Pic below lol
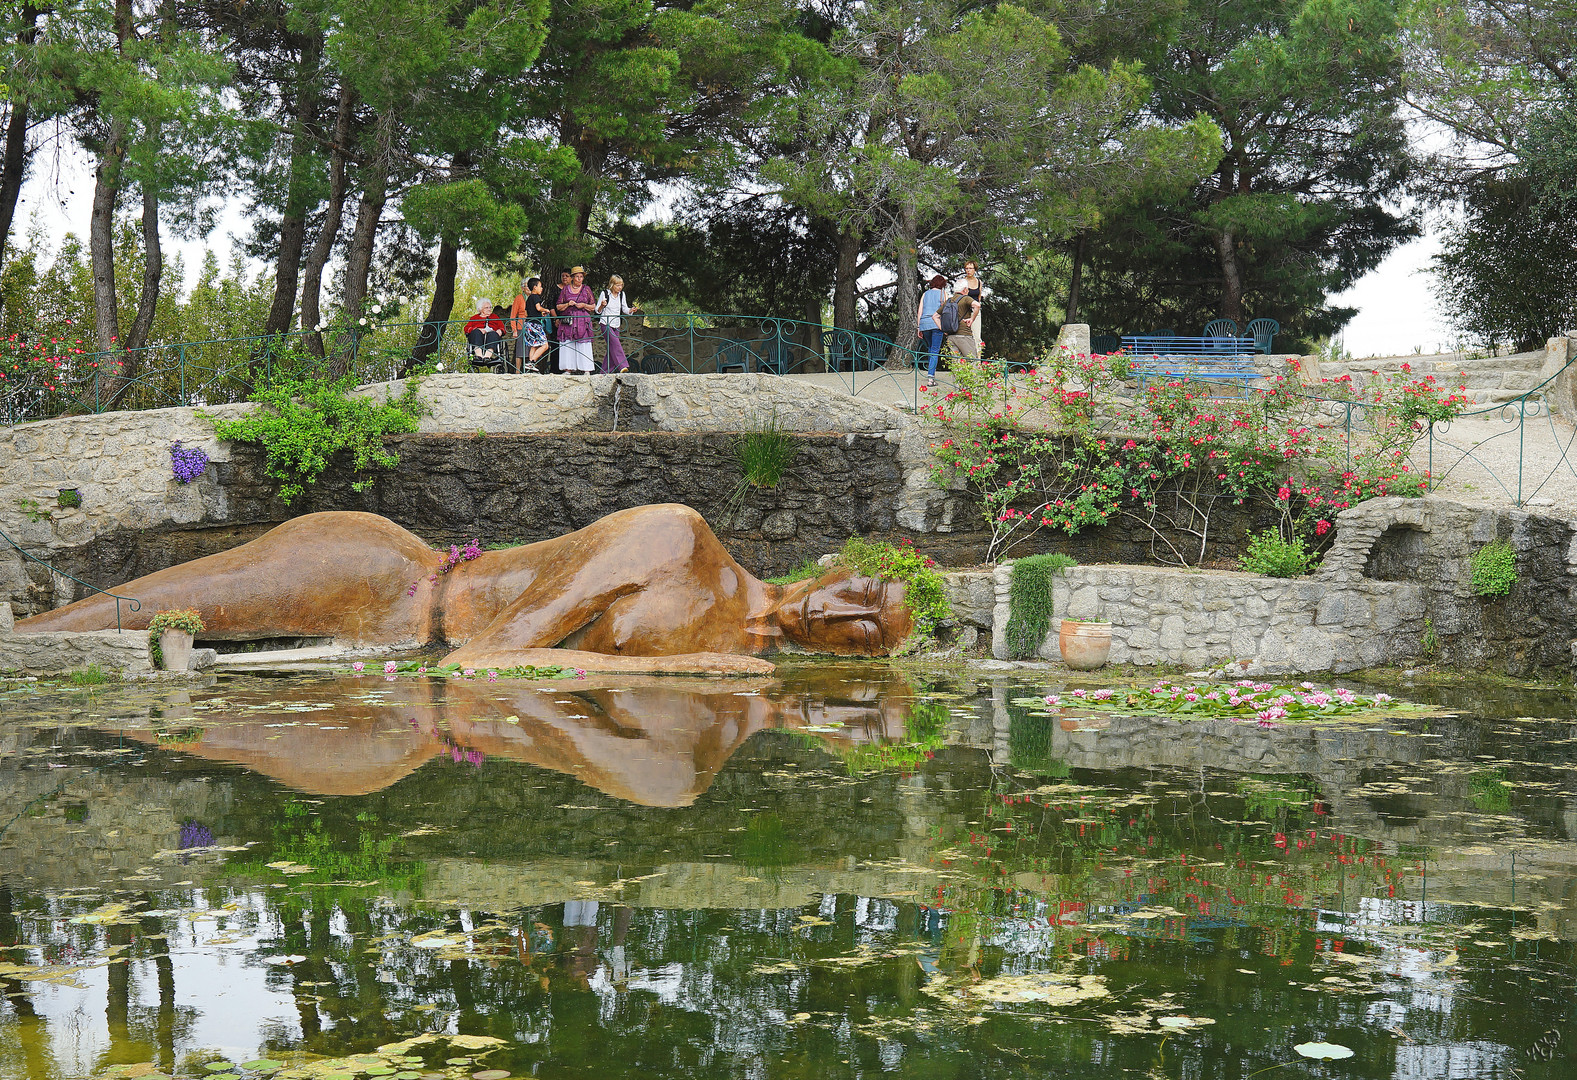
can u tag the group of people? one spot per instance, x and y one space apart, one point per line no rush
551 334
952 317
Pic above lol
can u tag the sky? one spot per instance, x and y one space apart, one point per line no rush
1396 313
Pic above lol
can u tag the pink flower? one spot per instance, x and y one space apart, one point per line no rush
390 668
468 672
580 673
358 666
492 676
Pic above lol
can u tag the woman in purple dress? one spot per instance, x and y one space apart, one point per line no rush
576 305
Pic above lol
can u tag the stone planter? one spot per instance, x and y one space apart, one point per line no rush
1085 645
176 646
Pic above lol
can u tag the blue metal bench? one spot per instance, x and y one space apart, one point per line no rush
1173 345
1235 371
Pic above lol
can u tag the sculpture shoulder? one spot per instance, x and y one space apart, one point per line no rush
662 535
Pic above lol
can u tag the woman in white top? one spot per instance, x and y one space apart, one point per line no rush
971 286
612 306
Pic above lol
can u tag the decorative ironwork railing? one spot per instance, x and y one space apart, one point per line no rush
230 369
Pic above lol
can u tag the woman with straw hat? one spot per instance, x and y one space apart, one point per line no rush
576 306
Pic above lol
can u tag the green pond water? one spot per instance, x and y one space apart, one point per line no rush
845 871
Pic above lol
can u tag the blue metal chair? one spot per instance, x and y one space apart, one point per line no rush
1221 328
1264 332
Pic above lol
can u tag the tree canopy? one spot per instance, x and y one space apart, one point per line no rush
1135 166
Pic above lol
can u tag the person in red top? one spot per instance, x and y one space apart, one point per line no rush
485 336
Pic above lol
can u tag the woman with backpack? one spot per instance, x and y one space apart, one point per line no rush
928 323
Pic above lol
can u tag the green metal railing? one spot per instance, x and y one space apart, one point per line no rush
1532 475
131 603
225 370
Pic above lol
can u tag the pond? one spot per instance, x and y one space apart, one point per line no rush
843 871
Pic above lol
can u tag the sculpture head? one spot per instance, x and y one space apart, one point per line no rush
845 614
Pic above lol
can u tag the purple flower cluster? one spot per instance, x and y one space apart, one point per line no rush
456 556
187 462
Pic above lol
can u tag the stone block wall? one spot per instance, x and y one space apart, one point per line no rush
1399 571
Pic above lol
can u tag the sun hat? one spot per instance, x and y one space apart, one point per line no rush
576 270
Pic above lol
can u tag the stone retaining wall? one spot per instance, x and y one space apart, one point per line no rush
1400 572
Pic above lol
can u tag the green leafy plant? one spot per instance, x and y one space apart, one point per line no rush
924 591
68 499
1431 642
765 453
302 424
1269 554
803 572
32 510
92 675
1494 569
1029 601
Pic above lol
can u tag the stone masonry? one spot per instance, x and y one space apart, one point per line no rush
1400 570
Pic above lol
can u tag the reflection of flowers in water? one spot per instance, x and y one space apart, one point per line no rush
457 753
194 835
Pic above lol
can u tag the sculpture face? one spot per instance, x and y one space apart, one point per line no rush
846 615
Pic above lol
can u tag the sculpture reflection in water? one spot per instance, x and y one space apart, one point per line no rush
649 582
650 740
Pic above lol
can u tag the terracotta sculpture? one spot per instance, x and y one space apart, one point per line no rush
655 741
652 581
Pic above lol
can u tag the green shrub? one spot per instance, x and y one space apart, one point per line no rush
92 675
765 453
1272 556
803 572
303 423
1029 601
924 592
1494 569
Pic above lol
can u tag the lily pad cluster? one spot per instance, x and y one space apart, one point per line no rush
393 1061
393 669
1242 700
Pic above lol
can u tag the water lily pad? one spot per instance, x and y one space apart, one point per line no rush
407 1076
491 1074
1180 1022
263 1065
379 1070
219 1066
457 1061
1323 1051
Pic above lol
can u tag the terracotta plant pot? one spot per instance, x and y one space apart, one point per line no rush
1085 645
176 645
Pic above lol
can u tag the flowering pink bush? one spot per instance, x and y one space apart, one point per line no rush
1059 447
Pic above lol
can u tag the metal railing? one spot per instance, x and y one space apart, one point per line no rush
225 370
1536 466
131 603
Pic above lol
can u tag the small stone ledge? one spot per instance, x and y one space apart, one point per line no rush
115 652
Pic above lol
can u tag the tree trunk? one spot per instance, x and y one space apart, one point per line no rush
13 162
906 249
152 273
323 246
364 236
440 310
1074 280
1231 277
442 307
101 237
293 220
845 280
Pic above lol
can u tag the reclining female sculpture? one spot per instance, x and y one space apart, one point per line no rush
652 581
